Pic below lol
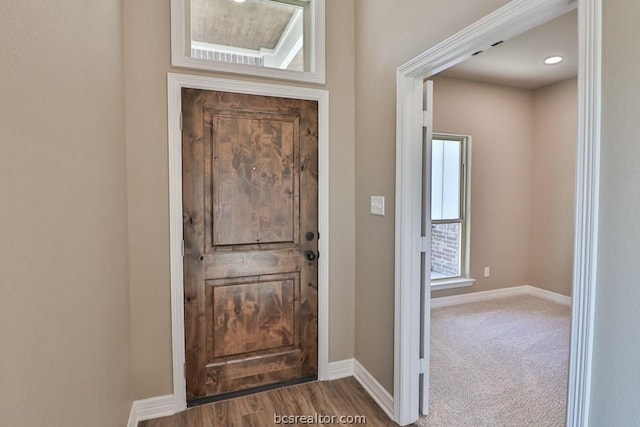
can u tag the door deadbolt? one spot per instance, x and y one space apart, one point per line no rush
310 255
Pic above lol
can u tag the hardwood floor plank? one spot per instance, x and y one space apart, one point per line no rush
344 397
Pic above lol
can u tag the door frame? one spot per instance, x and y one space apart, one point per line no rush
175 83
512 19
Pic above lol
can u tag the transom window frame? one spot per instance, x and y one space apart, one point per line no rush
181 44
464 279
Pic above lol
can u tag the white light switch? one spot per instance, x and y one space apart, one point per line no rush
487 271
377 205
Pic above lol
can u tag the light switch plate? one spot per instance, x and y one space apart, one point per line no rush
377 205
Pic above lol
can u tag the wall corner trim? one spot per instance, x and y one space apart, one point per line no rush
374 388
154 407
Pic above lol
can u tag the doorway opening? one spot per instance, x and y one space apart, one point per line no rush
523 118
512 19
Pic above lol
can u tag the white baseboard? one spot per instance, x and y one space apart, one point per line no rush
341 369
373 387
500 293
162 406
155 407
478 296
548 295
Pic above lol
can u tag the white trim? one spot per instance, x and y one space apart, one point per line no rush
512 19
458 282
500 293
549 295
374 388
587 214
407 258
288 45
341 369
179 45
175 82
478 296
147 409
226 49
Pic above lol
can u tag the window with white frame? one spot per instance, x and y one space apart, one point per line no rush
450 203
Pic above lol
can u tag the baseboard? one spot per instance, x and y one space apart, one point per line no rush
163 406
373 387
500 293
548 295
341 369
155 407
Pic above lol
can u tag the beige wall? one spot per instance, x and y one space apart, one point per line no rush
522 184
64 317
555 134
147 61
616 365
499 119
387 35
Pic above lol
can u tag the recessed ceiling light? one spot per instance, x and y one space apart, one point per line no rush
239 1
553 60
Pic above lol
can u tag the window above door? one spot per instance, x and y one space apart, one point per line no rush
281 39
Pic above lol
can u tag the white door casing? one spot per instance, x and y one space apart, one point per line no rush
506 22
175 82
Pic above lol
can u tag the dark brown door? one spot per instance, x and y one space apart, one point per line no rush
250 218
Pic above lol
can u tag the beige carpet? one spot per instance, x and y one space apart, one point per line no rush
499 363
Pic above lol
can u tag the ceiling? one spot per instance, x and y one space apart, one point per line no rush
253 24
518 62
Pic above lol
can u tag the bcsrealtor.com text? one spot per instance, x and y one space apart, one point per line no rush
319 419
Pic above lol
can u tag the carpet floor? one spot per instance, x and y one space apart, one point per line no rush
502 362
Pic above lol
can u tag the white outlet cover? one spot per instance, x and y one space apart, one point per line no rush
377 205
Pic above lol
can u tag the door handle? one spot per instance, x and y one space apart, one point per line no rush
310 255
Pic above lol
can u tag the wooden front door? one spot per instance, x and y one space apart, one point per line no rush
250 218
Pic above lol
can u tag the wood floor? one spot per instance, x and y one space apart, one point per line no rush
344 397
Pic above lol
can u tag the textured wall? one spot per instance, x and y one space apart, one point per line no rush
64 303
616 365
147 61
523 179
387 35
499 119
555 134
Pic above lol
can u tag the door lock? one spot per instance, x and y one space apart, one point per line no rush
310 255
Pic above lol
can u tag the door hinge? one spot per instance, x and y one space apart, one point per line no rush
427 119
184 370
423 245
182 248
181 120
423 366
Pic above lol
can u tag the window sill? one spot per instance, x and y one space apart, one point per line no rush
456 282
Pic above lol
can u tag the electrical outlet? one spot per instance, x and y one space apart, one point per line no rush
377 205
487 271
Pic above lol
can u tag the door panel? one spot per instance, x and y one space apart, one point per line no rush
255 189
250 227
